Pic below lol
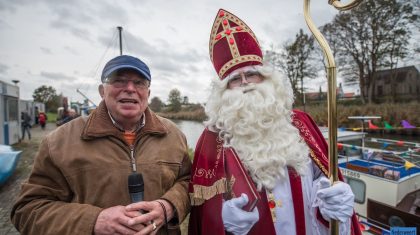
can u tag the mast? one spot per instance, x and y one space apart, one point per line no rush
78 91
120 28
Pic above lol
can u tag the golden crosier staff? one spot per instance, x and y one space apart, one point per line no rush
332 95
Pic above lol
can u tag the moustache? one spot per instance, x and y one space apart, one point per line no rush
248 88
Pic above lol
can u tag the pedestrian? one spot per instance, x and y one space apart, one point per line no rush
42 118
36 114
282 162
25 124
87 176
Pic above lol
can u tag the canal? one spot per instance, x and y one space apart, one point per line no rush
193 130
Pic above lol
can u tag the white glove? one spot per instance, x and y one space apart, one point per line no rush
236 220
335 202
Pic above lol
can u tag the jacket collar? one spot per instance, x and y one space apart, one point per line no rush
99 124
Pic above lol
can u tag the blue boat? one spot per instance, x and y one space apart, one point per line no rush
385 183
8 162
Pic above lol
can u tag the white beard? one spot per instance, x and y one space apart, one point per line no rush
256 121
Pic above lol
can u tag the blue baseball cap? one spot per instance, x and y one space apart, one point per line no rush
125 62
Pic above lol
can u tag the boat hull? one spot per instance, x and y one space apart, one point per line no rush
8 163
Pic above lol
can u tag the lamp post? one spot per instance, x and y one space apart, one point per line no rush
15 82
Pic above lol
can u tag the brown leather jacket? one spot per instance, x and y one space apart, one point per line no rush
83 166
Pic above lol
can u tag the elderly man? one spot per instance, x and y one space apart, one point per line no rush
281 151
80 178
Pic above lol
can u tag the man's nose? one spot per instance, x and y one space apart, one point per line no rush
244 80
130 85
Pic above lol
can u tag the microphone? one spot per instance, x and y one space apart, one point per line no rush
136 187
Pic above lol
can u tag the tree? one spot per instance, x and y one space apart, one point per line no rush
48 96
296 61
274 57
156 104
174 100
44 94
334 46
320 94
371 37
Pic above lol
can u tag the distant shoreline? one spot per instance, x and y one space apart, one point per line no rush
195 115
392 113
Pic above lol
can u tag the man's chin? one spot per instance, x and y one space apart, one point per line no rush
129 114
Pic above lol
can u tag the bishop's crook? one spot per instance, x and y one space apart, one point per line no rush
332 99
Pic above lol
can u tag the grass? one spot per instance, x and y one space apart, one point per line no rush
192 112
51 117
194 115
392 113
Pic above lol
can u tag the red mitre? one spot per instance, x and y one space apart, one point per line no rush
232 44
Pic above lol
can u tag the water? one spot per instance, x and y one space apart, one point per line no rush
191 129
409 138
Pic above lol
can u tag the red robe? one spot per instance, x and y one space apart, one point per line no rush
208 183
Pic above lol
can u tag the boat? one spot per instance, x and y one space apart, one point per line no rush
8 162
386 187
344 135
386 184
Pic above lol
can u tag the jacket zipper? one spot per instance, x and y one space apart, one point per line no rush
133 161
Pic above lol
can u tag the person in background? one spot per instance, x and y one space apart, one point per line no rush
42 119
68 115
281 150
79 181
36 115
25 124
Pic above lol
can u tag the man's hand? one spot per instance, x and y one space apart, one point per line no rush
236 220
153 218
115 220
336 202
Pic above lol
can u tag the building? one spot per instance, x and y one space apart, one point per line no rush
400 84
320 95
9 113
10 108
29 106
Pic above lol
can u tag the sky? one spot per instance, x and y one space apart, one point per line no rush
65 44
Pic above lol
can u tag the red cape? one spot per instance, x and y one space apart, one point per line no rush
208 181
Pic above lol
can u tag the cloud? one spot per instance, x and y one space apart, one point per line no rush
163 57
4 25
77 37
166 66
10 6
193 68
71 50
67 26
74 17
111 12
141 47
57 76
46 50
3 68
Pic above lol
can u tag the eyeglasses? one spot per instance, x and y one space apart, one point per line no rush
121 82
250 76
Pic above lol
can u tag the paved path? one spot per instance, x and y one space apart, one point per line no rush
10 190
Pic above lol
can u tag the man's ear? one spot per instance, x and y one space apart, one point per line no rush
101 90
